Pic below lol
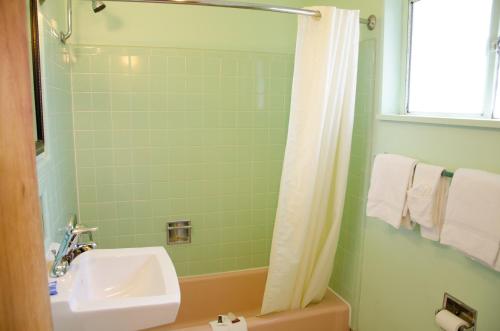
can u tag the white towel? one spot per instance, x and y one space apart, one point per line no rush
391 177
427 198
227 325
472 221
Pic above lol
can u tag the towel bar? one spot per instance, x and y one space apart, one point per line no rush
445 173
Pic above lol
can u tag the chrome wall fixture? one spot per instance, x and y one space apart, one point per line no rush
179 232
461 310
70 247
63 36
97 6
233 4
371 22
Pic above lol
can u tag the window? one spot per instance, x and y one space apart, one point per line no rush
452 61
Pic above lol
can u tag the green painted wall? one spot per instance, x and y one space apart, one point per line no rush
407 275
402 273
186 27
56 166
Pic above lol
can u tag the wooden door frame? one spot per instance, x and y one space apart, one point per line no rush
24 300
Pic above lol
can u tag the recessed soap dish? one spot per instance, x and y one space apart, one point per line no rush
178 232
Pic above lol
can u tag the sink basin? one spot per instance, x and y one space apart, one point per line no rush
117 289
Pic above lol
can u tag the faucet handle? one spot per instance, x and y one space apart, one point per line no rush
81 229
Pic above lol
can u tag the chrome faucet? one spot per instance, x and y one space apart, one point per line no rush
70 246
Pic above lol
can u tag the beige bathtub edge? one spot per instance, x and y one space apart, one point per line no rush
344 301
205 296
265 268
229 272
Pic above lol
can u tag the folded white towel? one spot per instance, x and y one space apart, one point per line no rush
391 177
427 198
228 325
472 221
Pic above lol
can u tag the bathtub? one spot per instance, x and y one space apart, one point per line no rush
205 297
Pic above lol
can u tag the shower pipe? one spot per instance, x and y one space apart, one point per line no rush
63 36
370 22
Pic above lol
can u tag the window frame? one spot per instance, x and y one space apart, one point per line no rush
493 75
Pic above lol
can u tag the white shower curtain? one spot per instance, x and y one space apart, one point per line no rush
314 178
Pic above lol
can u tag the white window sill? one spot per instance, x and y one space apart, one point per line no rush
468 122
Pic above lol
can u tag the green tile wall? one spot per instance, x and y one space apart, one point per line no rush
56 166
164 134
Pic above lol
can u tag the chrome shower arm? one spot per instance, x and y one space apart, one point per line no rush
69 17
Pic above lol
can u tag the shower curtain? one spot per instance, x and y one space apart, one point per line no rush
315 169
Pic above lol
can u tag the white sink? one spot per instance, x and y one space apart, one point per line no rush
117 289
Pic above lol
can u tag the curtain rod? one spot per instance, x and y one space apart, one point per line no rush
370 22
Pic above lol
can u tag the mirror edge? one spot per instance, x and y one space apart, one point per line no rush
37 77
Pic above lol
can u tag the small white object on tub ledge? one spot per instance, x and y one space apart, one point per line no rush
227 324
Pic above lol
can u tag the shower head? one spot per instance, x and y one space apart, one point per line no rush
97 6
